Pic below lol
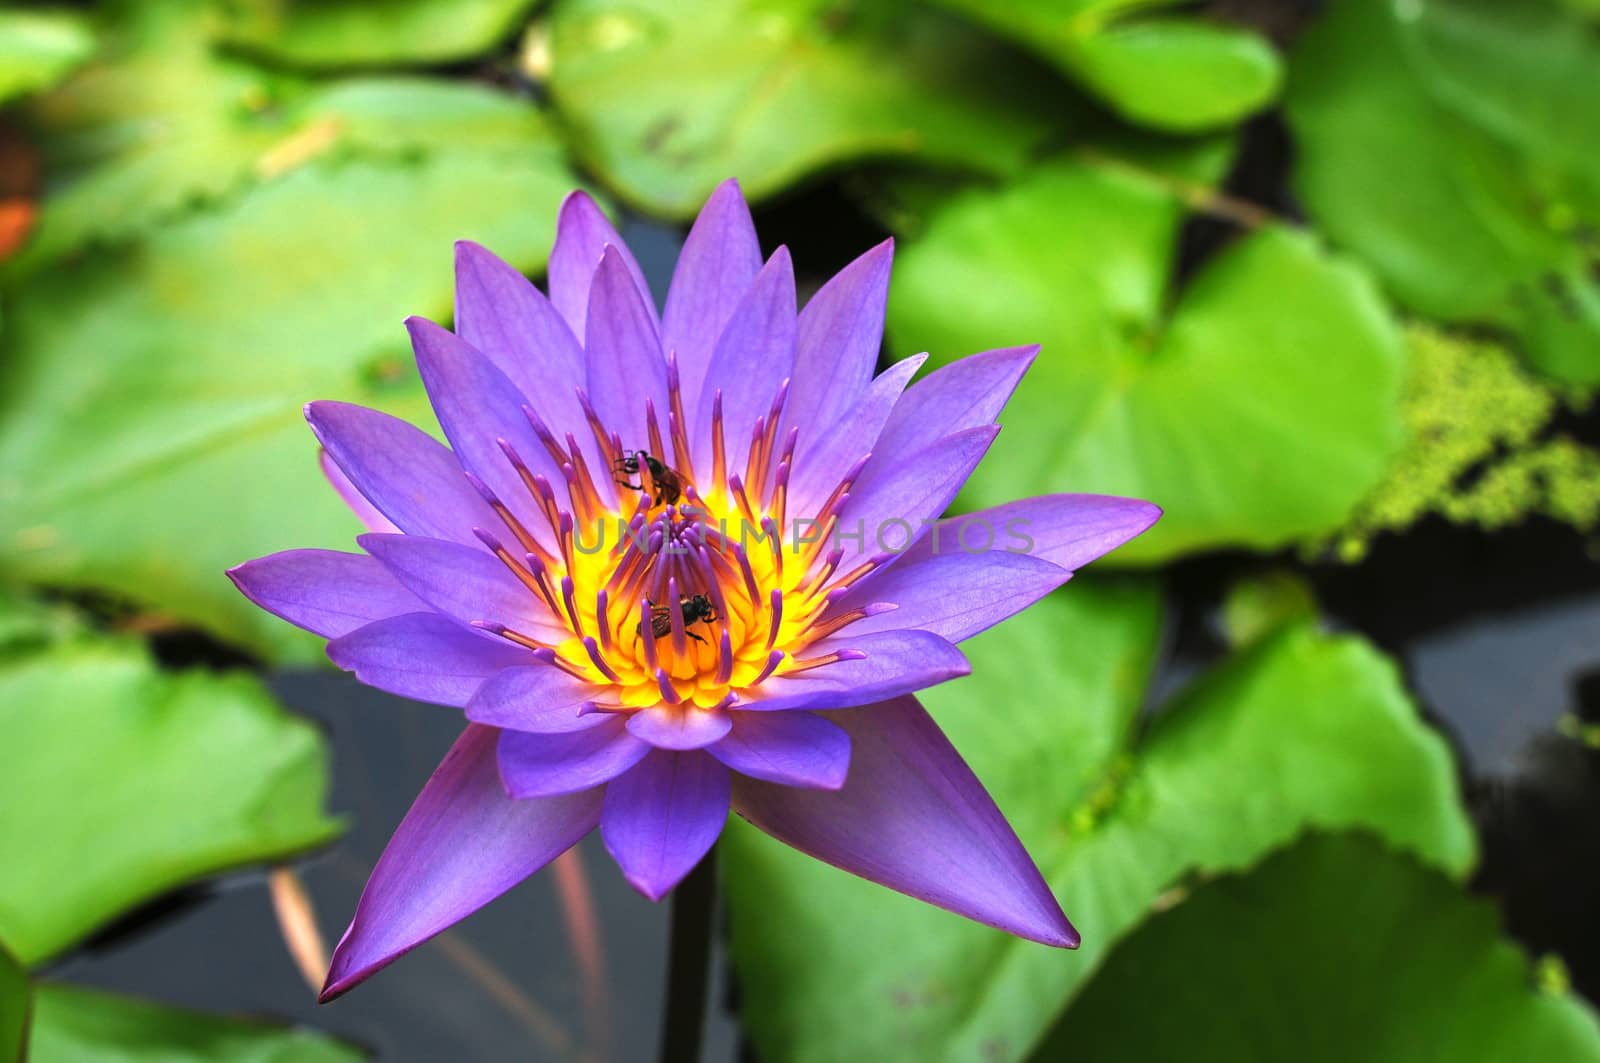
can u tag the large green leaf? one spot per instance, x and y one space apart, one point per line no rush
16 1007
73 1025
1334 950
1179 73
1300 730
345 33
39 47
165 123
150 404
126 781
665 100
1492 218
1256 406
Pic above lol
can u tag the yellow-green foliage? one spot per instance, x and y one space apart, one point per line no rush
1477 450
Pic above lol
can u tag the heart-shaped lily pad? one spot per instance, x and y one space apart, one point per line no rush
1298 730
666 100
1335 950
1178 72
1451 144
1256 405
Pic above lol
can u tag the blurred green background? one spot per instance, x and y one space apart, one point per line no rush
1320 278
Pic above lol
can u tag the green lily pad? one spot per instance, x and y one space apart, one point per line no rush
150 424
1300 730
1493 218
38 48
1176 73
137 781
74 1024
167 124
1335 950
16 1007
1257 405
348 33
666 100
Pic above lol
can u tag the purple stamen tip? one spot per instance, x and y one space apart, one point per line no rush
487 540
665 684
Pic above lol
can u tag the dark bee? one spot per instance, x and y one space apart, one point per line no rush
667 484
695 610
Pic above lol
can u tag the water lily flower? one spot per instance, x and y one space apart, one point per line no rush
672 564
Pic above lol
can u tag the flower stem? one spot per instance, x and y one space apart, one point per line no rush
689 963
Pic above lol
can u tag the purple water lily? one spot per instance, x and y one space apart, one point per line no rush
675 564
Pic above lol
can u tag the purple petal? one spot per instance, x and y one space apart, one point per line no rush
543 765
791 748
663 816
365 511
969 393
582 236
753 357
679 726
501 313
477 407
324 591
406 474
913 817
462 845
1066 530
955 595
720 259
840 332
626 368
540 698
426 657
464 583
823 456
893 510
896 662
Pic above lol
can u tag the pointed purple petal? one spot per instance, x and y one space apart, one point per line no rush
1066 530
324 591
954 595
913 817
501 313
426 657
582 236
663 816
405 473
477 407
840 332
365 511
895 509
464 583
895 662
753 357
542 765
823 456
969 393
791 748
540 698
679 726
463 844
625 363
720 259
